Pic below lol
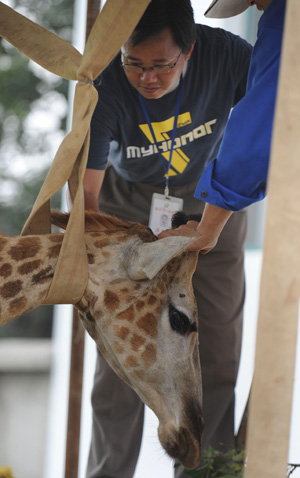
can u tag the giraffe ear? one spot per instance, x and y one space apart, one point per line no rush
145 260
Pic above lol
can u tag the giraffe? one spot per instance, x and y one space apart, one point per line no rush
144 323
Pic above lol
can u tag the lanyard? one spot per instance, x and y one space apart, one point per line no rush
173 134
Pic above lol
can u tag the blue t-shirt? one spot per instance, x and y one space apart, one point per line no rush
214 82
238 177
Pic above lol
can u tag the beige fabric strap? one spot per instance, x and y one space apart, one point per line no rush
111 29
271 394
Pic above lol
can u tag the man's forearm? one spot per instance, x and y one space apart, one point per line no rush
90 202
212 223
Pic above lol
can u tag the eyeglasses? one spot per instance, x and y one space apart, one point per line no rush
158 69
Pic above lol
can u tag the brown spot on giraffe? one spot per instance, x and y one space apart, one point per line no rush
122 332
148 324
139 305
54 251
10 289
25 248
118 348
137 341
127 314
111 300
149 355
5 270
131 361
17 306
151 299
29 267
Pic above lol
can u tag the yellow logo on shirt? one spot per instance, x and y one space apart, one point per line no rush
161 131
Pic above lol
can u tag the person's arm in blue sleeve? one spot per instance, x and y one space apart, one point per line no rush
238 177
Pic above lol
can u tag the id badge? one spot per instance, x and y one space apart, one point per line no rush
162 210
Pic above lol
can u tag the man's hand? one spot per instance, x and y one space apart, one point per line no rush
208 230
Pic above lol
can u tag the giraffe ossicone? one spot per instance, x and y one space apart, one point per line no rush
138 306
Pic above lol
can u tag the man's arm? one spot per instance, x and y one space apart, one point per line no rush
209 229
92 183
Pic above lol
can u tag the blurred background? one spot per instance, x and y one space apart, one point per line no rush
35 114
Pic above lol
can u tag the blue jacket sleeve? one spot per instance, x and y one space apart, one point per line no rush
238 177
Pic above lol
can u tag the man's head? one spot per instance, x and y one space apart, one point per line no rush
154 56
177 15
230 8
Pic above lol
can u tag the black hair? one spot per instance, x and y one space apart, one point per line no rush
178 15
180 218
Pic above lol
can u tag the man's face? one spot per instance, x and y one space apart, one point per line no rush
157 50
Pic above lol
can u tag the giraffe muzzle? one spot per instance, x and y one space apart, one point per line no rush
183 445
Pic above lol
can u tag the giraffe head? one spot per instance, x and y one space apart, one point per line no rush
140 309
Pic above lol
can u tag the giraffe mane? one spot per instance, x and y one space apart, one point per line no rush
95 221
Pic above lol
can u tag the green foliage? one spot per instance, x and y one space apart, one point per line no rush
215 464
21 86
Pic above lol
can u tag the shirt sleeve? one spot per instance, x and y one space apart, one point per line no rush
100 139
103 124
238 176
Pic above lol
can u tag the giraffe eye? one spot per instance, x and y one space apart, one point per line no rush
179 321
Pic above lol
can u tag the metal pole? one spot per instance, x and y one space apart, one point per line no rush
77 346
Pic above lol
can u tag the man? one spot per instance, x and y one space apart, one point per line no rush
238 177
163 105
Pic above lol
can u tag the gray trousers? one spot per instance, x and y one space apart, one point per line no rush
219 286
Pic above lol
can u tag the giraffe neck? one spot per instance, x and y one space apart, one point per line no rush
27 265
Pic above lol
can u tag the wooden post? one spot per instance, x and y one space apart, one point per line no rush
272 389
93 8
75 395
77 345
